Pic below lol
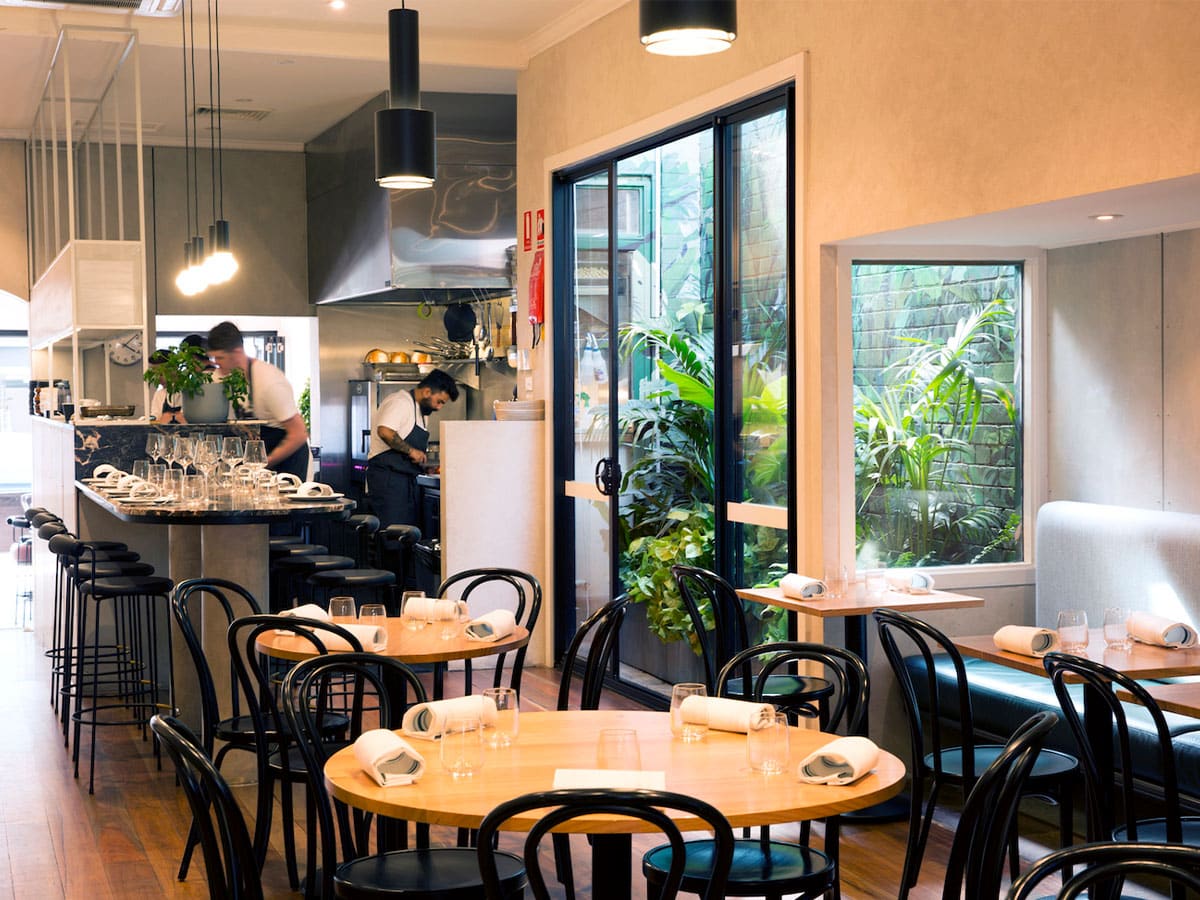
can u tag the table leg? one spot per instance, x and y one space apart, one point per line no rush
612 856
1097 721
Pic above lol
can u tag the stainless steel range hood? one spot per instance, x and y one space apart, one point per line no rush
440 246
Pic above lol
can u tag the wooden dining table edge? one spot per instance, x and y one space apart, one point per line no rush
934 600
453 652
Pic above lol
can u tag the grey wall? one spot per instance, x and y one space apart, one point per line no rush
1124 375
264 203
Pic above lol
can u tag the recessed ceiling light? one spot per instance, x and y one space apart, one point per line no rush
1105 217
337 4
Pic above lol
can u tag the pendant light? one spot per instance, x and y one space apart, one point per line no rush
191 280
405 145
687 27
221 265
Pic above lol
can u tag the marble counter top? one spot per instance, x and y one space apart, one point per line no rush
217 512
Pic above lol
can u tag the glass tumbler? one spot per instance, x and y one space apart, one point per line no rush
452 624
503 731
693 729
767 744
342 610
413 616
618 748
374 614
1116 631
1073 631
462 746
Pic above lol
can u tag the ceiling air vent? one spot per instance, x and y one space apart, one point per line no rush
234 114
137 7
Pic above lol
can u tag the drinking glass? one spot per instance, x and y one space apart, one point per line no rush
168 450
462 746
767 743
157 472
503 731
688 732
255 454
374 614
414 619
205 455
1116 632
452 626
618 748
231 451
154 446
184 446
836 581
172 484
1073 631
141 469
342 610
195 491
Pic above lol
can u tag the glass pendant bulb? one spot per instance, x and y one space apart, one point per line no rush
186 280
221 265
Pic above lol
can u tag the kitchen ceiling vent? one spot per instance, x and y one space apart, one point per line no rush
137 7
240 114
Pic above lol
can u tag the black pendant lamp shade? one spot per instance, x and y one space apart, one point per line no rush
405 134
687 27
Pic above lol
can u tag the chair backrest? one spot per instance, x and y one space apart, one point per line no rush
184 601
976 862
602 626
348 684
1101 790
1095 864
845 670
648 806
929 643
528 606
710 598
228 853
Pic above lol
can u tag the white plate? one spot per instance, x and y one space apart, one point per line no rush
325 498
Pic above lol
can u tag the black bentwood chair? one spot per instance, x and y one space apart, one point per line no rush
935 762
360 681
564 805
1107 863
762 866
228 853
976 866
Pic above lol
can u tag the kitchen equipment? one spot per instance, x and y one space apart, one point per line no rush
115 411
460 321
519 410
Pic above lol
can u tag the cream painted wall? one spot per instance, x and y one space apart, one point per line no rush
14 259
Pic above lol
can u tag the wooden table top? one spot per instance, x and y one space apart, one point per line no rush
1182 698
861 605
1140 661
714 770
413 647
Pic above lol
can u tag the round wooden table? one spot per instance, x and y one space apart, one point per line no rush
714 770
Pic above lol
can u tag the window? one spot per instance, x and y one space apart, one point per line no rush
938 462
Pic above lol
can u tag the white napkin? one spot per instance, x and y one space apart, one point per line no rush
144 491
801 587
105 470
433 608
128 481
843 761
1151 629
308 611
287 479
388 758
722 713
911 582
1026 640
314 489
372 637
428 720
493 626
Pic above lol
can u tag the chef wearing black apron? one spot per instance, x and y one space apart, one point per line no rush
399 442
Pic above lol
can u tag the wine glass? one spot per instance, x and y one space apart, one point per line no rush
167 453
206 455
184 448
154 446
255 455
231 451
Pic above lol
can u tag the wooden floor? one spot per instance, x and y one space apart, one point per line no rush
124 842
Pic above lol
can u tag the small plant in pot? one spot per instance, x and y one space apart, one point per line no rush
183 370
236 389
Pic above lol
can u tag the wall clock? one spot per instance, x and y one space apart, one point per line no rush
126 349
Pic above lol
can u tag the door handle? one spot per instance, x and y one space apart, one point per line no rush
366 440
608 476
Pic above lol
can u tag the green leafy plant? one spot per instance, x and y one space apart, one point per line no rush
305 404
235 387
183 370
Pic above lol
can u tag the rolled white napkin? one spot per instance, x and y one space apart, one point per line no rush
104 470
493 626
372 637
1151 629
314 489
801 587
428 720
843 761
128 481
388 758
287 479
308 611
722 713
1026 640
910 582
431 608
144 490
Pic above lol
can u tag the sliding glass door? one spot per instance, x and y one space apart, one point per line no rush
672 369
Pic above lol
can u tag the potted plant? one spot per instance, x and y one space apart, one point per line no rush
184 371
236 389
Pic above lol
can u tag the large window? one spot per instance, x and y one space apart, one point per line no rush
938 460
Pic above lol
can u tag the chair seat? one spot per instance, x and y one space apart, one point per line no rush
125 585
105 545
1051 765
88 572
316 562
353 578
783 690
1154 831
443 873
784 868
278 553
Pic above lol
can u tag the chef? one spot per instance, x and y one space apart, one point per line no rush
398 444
271 399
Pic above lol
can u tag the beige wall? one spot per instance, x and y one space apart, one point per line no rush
14 258
915 112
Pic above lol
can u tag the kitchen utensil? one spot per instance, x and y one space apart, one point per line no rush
460 321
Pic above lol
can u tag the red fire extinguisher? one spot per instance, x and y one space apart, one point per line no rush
537 295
